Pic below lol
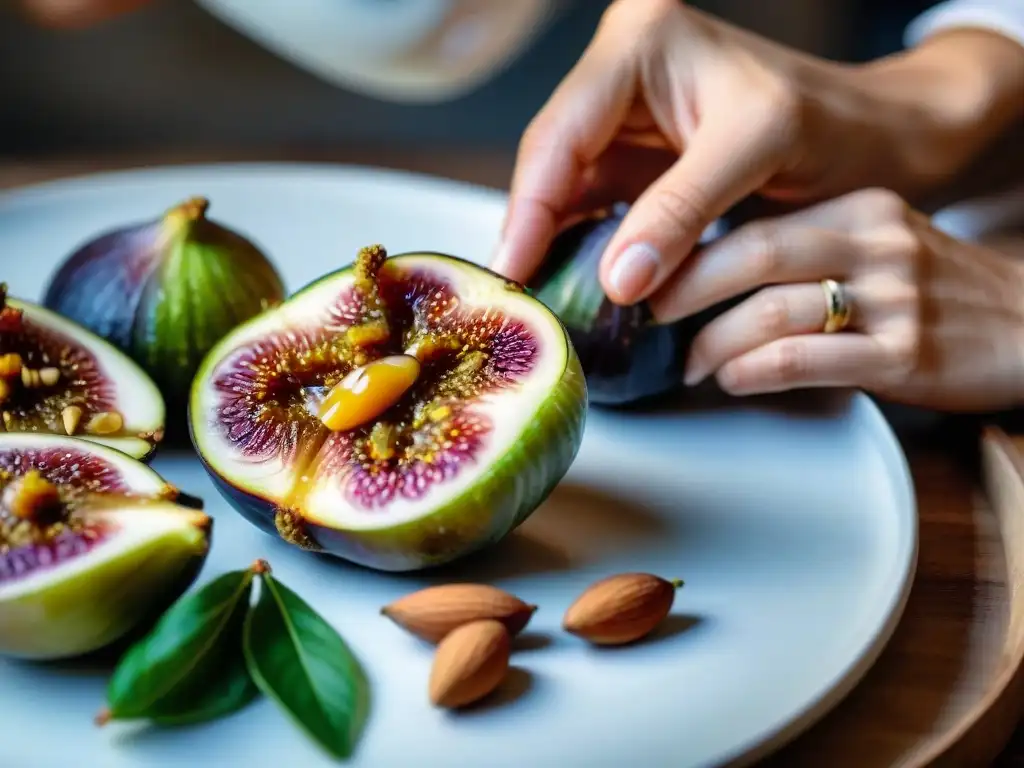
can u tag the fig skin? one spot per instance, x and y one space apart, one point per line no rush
183 281
506 492
628 358
71 611
93 611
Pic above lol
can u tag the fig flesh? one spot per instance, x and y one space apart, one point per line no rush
59 378
93 544
627 356
164 292
430 470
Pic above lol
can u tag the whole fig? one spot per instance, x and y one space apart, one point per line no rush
165 291
627 356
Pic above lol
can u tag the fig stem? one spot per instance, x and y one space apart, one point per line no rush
260 566
195 207
187 212
103 717
677 583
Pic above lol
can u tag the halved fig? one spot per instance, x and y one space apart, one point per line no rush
57 377
92 545
399 413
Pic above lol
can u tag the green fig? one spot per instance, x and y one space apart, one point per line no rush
165 292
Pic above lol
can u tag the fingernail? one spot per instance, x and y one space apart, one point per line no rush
499 259
696 372
634 270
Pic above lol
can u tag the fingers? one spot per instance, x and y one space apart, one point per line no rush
756 254
769 315
732 154
774 340
800 362
566 137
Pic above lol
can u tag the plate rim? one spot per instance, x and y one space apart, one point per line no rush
79 182
847 680
862 406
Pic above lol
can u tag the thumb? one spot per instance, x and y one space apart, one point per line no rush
563 141
729 157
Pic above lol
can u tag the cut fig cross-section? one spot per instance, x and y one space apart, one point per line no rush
57 377
92 545
399 413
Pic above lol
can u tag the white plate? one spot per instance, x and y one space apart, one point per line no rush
792 521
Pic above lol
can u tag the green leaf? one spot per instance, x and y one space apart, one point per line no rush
298 660
191 666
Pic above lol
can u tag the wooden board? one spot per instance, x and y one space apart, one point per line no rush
948 690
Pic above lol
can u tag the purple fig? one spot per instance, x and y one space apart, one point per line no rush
165 291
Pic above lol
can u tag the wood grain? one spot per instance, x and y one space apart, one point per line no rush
947 691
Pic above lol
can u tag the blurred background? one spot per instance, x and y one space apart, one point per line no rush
257 78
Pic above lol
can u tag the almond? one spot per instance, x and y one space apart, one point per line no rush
620 609
432 613
470 662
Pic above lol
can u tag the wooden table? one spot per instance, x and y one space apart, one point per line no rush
957 537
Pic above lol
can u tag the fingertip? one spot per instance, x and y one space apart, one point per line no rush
629 274
722 165
500 261
528 233
652 241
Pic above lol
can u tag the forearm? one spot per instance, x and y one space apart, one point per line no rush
942 106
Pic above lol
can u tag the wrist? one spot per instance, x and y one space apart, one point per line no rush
937 107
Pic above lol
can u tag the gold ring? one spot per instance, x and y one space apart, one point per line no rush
837 306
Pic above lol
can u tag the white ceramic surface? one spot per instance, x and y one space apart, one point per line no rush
792 521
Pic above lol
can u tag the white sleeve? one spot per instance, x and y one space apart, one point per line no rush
1003 16
972 219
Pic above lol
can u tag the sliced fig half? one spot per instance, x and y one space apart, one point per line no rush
399 413
92 545
57 377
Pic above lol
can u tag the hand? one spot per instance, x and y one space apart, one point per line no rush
76 13
684 116
935 322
